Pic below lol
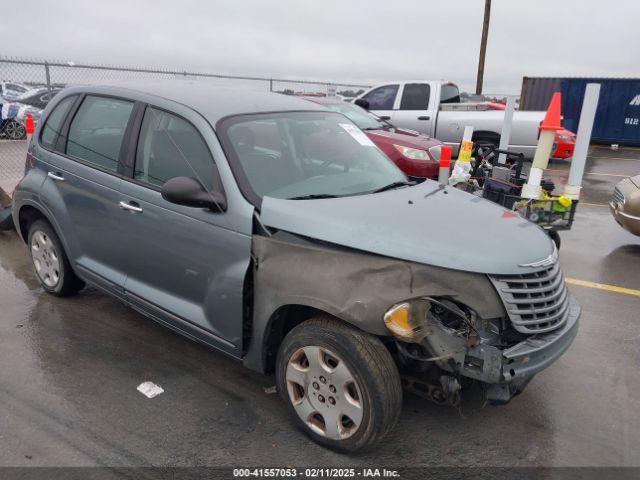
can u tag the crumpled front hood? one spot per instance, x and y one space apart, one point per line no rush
426 223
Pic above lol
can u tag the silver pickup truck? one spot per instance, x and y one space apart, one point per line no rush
434 108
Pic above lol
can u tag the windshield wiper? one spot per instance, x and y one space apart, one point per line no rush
393 185
313 196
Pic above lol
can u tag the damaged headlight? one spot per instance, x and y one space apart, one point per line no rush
411 321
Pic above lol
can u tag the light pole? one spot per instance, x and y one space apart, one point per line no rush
483 46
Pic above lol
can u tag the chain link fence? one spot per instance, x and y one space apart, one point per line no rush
27 85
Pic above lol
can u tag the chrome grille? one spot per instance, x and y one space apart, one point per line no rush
618 196
535 302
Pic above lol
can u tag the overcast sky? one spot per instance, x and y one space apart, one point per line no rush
358 41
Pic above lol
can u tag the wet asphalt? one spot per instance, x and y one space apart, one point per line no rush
69 369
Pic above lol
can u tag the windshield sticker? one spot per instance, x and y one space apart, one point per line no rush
357 134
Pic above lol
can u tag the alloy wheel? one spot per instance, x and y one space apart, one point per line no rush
324 392
14 130
45 259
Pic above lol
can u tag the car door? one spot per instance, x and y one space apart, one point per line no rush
186 265
82 187
414 111
382 99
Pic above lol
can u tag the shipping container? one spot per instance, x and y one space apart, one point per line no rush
618 114
536 92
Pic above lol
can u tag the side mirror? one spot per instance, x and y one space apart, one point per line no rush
190 193
361 102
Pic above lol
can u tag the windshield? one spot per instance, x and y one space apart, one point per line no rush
357 115
302 154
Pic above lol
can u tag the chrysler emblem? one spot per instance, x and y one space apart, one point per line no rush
550 260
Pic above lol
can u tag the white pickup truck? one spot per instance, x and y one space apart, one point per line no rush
434 108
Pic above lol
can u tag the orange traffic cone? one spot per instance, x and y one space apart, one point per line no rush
548 128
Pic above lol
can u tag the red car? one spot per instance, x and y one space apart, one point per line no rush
416 154
563 144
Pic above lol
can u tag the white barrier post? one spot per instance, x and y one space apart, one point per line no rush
506 129
579 160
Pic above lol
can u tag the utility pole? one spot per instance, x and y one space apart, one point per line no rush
483 45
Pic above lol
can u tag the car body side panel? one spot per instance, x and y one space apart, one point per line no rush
85 204
354 286
524 133
182 260
188 264
419 120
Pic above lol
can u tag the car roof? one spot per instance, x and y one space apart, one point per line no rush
212 101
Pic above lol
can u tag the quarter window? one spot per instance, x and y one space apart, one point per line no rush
382 98
53 124
97 130
415 96
170 147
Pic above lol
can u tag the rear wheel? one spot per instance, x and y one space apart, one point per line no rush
482 144
50 261
341 384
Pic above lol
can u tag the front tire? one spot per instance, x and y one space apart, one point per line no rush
340 384
50 261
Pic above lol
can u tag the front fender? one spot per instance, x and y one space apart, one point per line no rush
354 286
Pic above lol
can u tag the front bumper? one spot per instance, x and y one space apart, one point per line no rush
537 352
563 150
629 222
507 371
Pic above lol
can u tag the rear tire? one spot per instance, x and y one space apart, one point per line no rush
482 143
50 262
340 384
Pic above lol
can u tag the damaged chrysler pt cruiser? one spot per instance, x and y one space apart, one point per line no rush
273 230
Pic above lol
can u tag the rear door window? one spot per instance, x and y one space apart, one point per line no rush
97 130
450 94
415 96
170 147
382 98
53 124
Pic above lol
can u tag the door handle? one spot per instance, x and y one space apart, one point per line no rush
385 117
424 117
55 176
131 207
